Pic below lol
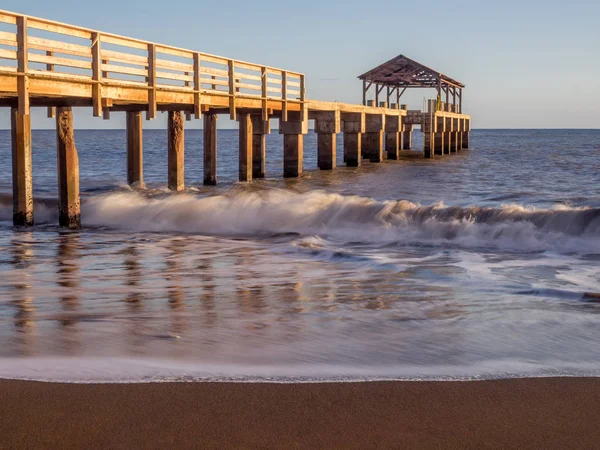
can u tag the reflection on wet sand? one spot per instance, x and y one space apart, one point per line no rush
67 275
68 279
174 274
133 275
23 301
230 301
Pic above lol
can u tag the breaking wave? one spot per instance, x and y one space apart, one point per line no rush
341 218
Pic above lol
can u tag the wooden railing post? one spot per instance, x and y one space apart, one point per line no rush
265 112
304 112
96 75
50 68
231 76
22 66
197 107
284 108
151 82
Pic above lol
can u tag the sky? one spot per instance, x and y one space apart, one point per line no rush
526 64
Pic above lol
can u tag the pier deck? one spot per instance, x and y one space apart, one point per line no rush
58 66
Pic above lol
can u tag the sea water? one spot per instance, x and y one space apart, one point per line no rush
482 264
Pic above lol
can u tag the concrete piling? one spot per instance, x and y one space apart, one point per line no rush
260 129
327 125
293 131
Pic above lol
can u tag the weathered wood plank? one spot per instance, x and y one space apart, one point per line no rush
173 65
59 47
8 54
174 76
124 58
245 76
124 70
58 61
5 18
124 42
8 37
60 28
214 72
174 51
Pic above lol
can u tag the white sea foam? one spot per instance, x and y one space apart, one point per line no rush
343 218
130 370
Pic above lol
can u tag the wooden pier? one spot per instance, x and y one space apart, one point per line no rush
58 66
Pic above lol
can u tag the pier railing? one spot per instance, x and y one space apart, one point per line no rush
35 47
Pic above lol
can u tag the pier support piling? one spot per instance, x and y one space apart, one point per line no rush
327 125
453 141
373 138
439 143
210 149
260 129
293 131
69 213
135 155
245 141
353 127
393 137
21 168
407 137
353 149
465 133
176 151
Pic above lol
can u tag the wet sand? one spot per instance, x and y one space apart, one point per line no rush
534 413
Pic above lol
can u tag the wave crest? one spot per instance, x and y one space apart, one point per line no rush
346 218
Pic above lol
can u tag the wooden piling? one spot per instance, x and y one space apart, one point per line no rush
210 149
245 141
69 213
176 151
135 154
21 168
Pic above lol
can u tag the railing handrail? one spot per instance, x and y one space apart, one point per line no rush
141 41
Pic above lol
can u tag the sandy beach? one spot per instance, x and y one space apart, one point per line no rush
526 413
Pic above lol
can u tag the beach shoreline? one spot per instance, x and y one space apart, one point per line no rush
513 413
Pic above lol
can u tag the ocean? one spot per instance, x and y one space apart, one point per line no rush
480 265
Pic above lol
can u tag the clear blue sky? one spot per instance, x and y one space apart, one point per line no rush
526 63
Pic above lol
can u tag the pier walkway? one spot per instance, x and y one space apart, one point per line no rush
58 66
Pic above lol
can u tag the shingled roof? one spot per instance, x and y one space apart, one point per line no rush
405 72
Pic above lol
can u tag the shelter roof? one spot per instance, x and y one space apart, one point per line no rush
405 72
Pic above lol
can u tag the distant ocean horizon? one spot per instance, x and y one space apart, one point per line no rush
479 265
